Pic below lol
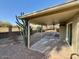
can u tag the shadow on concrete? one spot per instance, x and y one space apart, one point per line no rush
48 42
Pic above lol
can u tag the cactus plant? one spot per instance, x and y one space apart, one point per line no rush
22 25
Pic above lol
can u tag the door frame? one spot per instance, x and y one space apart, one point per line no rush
77 40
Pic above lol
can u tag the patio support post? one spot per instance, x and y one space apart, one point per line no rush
28 33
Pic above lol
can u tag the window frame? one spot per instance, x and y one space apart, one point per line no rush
67 34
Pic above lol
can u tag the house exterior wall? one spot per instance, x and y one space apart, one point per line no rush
78 38
75 34
74 48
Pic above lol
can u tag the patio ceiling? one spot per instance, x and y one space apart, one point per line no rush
57 14
55 18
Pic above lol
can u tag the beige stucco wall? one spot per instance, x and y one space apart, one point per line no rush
78 38
75 30
75 36
75 33
66 51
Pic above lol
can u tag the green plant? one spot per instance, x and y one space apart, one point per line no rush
22 25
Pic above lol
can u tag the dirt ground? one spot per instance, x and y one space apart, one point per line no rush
18 51
14 50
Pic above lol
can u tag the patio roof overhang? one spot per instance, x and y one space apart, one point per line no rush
57 14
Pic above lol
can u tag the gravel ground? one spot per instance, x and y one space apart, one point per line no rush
18 51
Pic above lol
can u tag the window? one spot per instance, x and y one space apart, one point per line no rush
69 34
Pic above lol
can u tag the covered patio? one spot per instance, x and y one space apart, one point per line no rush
67 15
61 14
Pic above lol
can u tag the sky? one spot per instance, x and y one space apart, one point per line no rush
10 8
